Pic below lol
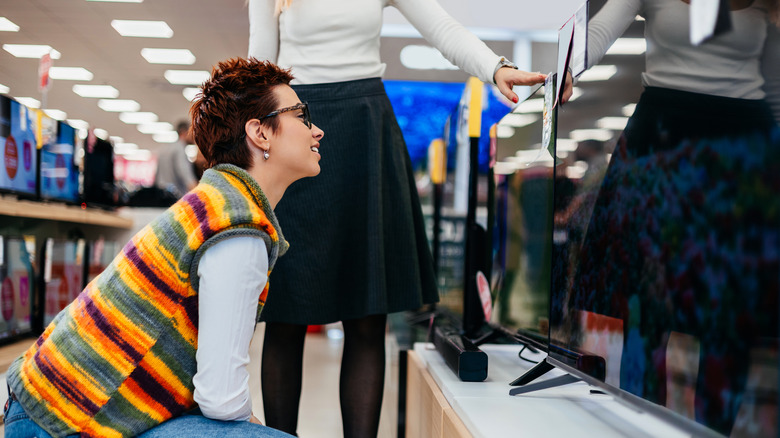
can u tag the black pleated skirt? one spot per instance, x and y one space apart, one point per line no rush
357 238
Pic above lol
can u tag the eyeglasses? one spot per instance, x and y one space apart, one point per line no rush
301 106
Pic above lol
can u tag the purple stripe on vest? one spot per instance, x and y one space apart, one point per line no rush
148 384
131 252
199 208
65 384
190 305
108 330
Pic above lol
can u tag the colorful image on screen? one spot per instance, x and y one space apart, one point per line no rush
17 139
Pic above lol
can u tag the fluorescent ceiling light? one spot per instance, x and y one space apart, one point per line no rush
101 133
598 73
505 131
530 106
419 57
141 28
591 134
78 124
30 50
628 110
565 145
628 46
56 114
187 77
613 123
190 93
118 105
139 155
7 25
518 120
103 91
124 148
70 73
166 137
155 128
4 89
29 102
192 152
505 167
132 118
639 18
168 56
116 139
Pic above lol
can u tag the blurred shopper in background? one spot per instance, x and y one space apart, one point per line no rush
175 172
361 251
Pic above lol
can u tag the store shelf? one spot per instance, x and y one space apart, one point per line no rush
63 213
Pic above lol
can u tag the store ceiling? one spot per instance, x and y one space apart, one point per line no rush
215 30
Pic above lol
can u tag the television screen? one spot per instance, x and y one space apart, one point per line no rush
17 273
666 269
59 174
17 134
63 275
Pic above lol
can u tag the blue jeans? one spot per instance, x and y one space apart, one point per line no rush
17 424
192 424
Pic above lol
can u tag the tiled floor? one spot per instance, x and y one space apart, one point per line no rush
320 416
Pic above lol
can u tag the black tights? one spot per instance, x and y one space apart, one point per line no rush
362 375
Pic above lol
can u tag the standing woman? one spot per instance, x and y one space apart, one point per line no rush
359 230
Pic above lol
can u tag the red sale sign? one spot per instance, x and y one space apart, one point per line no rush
43 73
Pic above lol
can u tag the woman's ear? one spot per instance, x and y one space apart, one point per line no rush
257 134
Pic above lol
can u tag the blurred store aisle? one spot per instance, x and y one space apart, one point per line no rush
320 415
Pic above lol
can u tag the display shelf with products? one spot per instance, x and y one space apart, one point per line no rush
11 207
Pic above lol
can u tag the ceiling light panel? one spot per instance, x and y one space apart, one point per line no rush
78 124
4 89
613 123
168 56
70 74
598 73
141 28
7 25
530 106
29 102
155 128
118 105
187 77
136 118
56 114
166 137
628 46
31 50
98 91
190 93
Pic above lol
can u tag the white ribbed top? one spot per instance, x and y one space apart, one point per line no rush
338 40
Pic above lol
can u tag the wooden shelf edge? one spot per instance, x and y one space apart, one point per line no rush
62 213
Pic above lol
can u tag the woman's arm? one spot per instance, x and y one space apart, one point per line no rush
603 30
263 30
608 24
770 68
461 47
232 275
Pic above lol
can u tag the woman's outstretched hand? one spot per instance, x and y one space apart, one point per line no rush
507 77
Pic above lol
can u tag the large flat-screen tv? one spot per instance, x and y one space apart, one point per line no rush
666 277
464 208
62 276
59 175
17 293
17 138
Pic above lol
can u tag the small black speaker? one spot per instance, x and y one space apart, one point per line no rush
465 359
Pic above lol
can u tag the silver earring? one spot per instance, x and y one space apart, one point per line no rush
266 155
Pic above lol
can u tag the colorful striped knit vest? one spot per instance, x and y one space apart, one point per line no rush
120 359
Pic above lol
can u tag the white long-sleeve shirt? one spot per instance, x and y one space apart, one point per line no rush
743 63
232 275
338 40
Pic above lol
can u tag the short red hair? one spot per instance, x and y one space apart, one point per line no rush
239 90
